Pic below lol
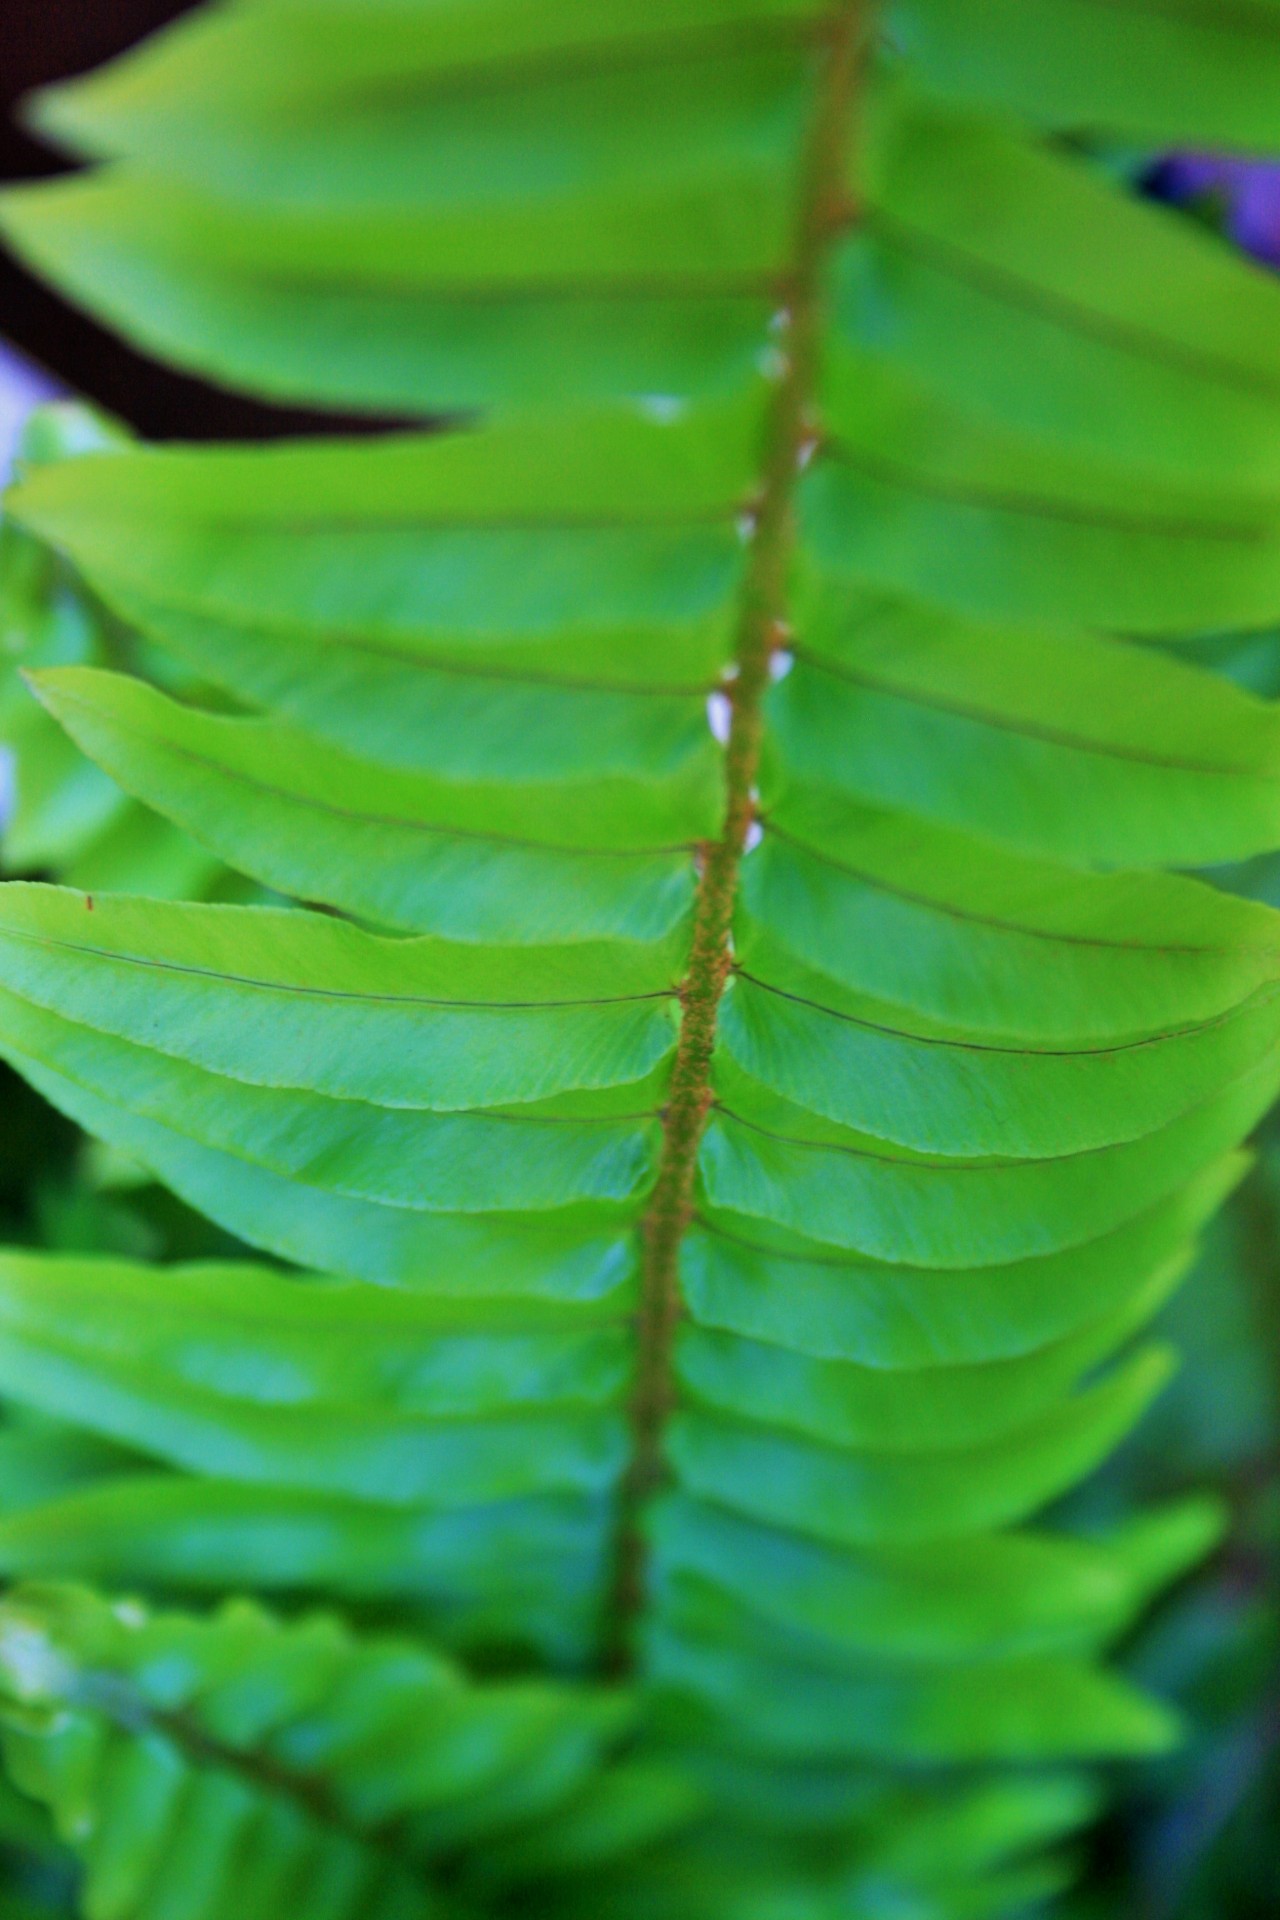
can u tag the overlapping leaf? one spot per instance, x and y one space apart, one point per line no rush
63 813
235 1764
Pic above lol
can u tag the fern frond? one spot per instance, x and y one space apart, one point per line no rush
790 1083
237 1763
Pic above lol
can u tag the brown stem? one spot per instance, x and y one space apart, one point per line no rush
111 1695
791 435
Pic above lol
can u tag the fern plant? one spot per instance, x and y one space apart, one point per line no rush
748 1068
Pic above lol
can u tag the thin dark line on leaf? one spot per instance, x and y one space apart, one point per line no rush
542 1216
950 911
852 1263
452 668
943 1164
860 1262
570 290
625 54
959 1045
726 513
1029 729
880 1268
244 1154
1030 505
447 665
323 993
236 776
398 1115
1016 289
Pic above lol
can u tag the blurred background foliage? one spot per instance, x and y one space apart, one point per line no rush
1192 1837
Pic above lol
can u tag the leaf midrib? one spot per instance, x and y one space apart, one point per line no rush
222 978
102 1691
1007 923
1018 289
1027 727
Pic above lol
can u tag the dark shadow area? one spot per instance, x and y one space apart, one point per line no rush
46 40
